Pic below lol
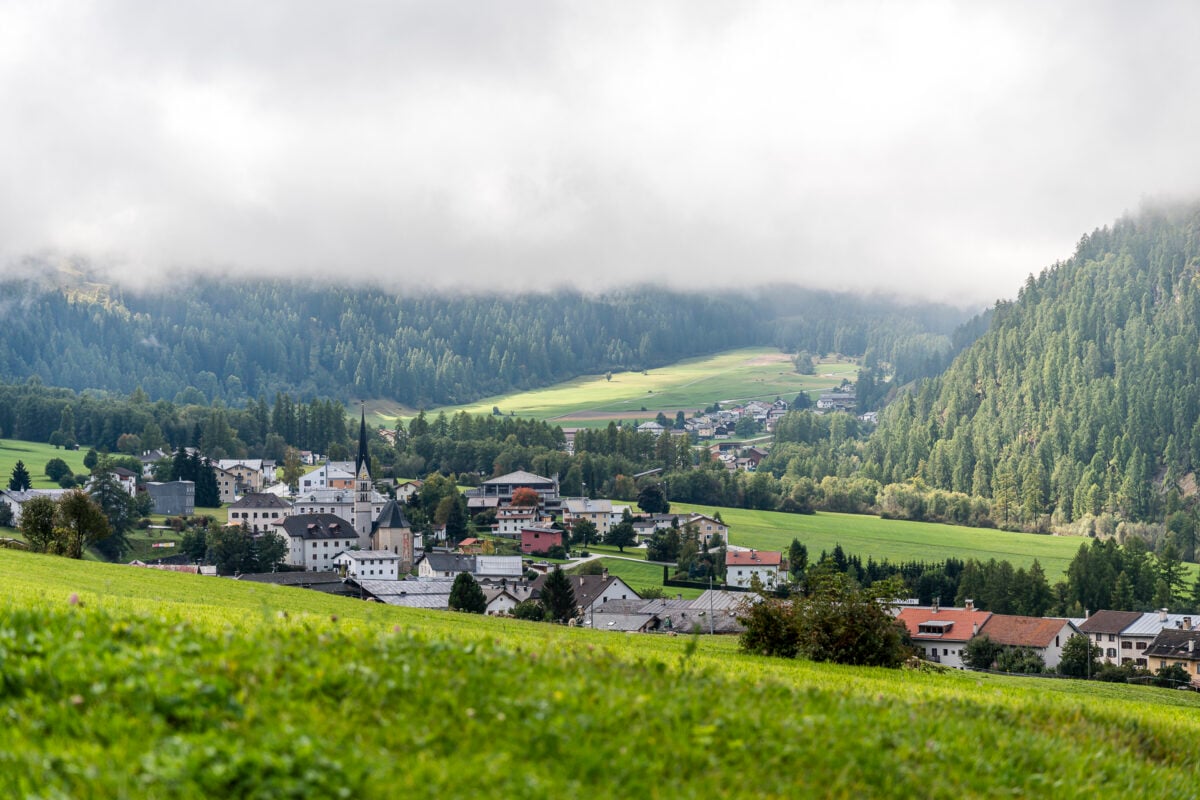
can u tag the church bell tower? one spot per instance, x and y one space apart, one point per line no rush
362 486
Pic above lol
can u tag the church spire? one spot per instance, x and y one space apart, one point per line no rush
364 455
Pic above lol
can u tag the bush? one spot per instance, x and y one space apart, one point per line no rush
56 468
529 610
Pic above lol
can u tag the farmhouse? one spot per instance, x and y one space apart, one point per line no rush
16 499
940 634
1043 635
379 565
591 590
1105 629
742 566
314 540
1179 646
259 511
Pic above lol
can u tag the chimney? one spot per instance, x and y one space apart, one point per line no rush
1187 623
969 604
935 605
1162 615
974 629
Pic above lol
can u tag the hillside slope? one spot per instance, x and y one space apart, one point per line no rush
205 340
161 685
1085 393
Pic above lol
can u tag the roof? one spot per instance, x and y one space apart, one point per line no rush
250 463
386 555
391 516
1175 643
296 578
752 558
586 587
959 624
450 562
433 594
582 505
1109 621
260 500
520 477
1017 631
318 526
1152 622
25 495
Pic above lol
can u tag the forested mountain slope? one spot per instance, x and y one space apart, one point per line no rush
1083 396
237 340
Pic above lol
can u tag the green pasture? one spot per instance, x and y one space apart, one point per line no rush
894 540
640 575
35 456
736 375
123 682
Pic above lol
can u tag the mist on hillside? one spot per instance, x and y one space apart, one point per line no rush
922 149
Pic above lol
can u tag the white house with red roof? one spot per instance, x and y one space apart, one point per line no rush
940 634
742 565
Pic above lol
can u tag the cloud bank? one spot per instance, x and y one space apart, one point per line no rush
927 148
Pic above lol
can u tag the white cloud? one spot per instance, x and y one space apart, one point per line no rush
935 148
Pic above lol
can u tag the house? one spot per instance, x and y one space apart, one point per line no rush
15 500
741 566
149 458
259 511
591 590
341 502
1104 629
127 479
540 540
1141 633
837 401
940 634
392 531
503 597
227 484
709 528
174 498
378 565
248 473
623 616
715 611
314 540
511 520
1043 635
329 475
598 512
1176 646
470 546
500 490
406 490
651 427
449 565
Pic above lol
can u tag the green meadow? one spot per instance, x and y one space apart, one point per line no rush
35 456
120 682
736 375
894 540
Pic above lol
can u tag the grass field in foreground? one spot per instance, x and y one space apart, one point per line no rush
174 686
895 540
751 373
35 455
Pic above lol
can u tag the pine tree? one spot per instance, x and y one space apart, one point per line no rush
558 598
20 479
465 595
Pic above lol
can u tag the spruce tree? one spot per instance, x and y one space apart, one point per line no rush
465 595
20 479
558 598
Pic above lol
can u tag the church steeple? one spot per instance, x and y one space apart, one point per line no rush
364 454
363 516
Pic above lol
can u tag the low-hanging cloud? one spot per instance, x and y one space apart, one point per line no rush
935 149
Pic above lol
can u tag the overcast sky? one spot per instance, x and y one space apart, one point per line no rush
938 149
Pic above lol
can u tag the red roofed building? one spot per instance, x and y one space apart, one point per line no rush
742 565
1043 635
939 634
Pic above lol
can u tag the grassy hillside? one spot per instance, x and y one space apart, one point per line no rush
35 456
751 373
163 685
895 540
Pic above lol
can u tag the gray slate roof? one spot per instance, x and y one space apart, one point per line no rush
318 526
260 500
392 516
1113 622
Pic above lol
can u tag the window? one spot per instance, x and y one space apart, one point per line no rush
1112 652
1141 645
1112 637
945 651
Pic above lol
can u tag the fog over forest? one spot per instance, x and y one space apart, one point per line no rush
928 149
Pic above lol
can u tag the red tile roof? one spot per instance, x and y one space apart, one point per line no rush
962 624
752 558
1023 631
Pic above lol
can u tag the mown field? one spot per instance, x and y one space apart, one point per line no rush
747 374
173 686
895 540
640 575
35 456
